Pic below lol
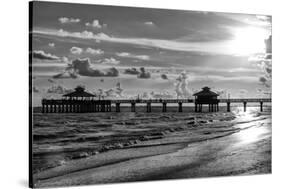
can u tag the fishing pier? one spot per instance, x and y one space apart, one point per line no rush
81 101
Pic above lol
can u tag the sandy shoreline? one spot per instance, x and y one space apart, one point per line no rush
243 152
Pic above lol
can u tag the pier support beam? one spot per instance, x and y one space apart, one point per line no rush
245 106
261 108
43 108
148 107
200 107
164 107
117 107
195 107
180 106
228 106
133 107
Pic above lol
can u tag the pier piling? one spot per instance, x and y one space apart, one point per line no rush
148 107
164 106
245 105
133 107
180 106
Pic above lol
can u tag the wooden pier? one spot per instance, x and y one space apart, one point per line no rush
80 101
83 106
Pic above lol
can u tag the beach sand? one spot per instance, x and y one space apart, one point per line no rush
240 147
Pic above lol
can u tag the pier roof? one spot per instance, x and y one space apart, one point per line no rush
205 92
79 92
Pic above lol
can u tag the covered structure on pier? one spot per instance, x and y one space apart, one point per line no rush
206 96
79 93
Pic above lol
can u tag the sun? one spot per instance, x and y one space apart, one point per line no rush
249 40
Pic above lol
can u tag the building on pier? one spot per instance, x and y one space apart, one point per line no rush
208 97
78 101
79 94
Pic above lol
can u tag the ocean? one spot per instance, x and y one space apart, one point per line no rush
59 138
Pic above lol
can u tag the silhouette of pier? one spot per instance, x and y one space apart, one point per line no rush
82 106
81 101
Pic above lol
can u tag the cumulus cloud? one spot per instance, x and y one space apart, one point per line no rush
149 23
76 50
157 95
83 67
94 51
181 86
164 76
144 74
223 93
65 20
39 54
264 61
51 44
131 71
129 55
110 61
95 24
59 89
115 92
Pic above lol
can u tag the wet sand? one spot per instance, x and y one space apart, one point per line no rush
243 152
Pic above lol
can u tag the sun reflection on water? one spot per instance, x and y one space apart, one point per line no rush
253 129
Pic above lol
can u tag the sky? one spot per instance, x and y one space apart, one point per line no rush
125 52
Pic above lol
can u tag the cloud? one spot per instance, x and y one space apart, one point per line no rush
164 76
128 55
64 59
268 44
59 89
76 50
131 71
94 51
144 74
65 20
51 44
115 92
110 61
51 81
95 24
35 89
65 75
264 62
39 54
83 67
219 47
181 86
149 23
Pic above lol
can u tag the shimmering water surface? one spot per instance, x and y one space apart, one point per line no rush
58 138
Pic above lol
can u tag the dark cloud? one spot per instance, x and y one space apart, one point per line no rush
44 56
35 89
83 68
51 81
164 76
132 71
144 74
65 75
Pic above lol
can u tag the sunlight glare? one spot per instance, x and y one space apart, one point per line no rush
249 41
